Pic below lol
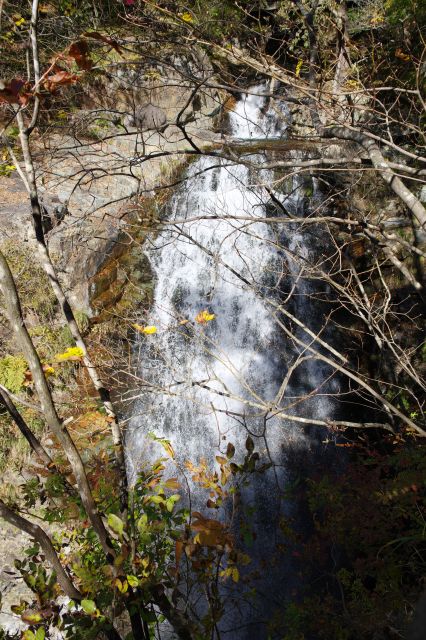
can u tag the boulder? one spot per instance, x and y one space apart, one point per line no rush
149 118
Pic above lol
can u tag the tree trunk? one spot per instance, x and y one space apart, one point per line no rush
40 536
43 253
14 315
24 429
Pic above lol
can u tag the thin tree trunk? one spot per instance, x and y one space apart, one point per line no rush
34 443
180 623
382 167
40 536
14 315
138 629
24 134
44 257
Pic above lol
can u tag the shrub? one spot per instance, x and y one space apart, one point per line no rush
12 372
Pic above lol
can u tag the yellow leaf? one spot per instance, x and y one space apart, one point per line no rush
31 617
402 56
172 483
204 316
235 574
186 17
48 370
72 353
299 68
169 449
150 330
122 586
147 330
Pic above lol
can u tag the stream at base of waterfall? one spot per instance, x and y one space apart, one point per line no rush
206 384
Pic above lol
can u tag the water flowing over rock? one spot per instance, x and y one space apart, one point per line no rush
205 385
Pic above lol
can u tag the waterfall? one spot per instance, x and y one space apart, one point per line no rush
207 384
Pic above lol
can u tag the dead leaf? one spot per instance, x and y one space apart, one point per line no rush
58 79
15 92
402 56
79 51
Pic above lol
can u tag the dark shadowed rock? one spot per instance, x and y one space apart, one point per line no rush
417 629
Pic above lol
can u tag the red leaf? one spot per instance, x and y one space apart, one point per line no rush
13 92
178 552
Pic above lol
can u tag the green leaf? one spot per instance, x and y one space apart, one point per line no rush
116 524
166 444
118 560
28 635
142 522
133 581
41 634
148 616
32 551
88 606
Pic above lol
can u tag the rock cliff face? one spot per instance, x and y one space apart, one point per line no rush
96 185
109 190
12 587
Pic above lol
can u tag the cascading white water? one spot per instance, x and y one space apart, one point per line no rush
204 385
231 354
